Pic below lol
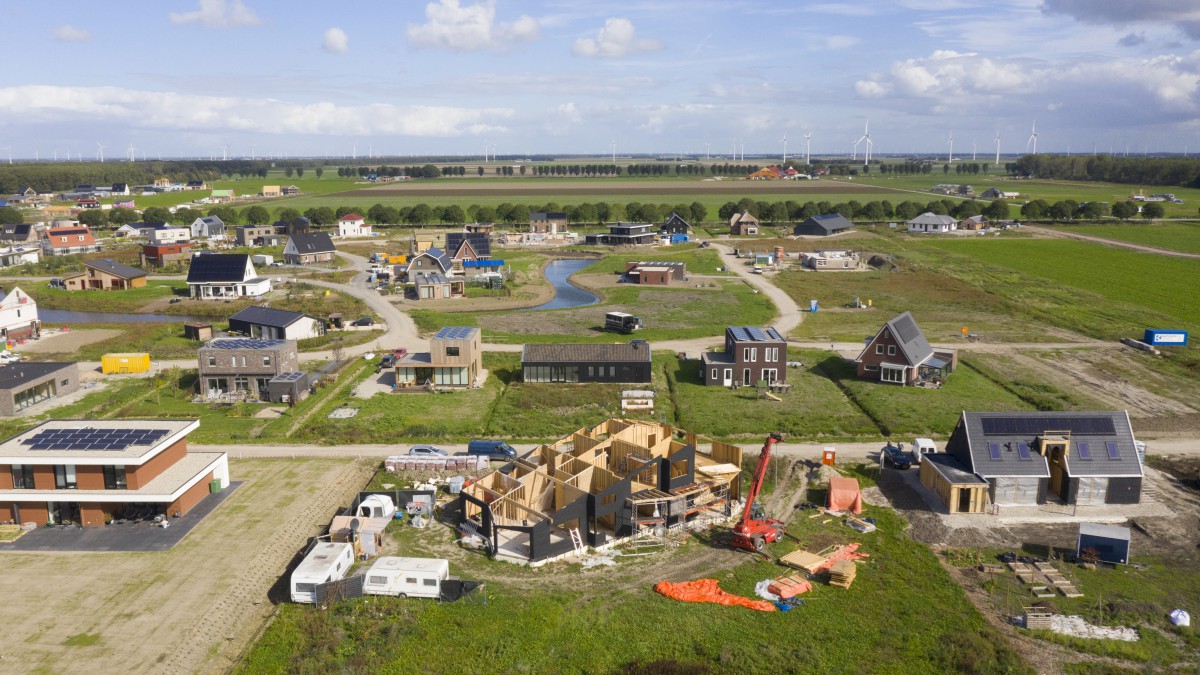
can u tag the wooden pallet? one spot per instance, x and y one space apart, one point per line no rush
842 573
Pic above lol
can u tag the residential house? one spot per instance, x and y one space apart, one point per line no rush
128 231
293 227
830 260
19 255
256 235
624 234
974 223
119 190
675 224
208 227
932 223
626 363
289 191
24 195
27 383
430 260
193 185
471 253
91 472
1028 458
105 274
162 183
823 225
275 324
353 225
900 354
306 249
165 233
743 223
434 285
164 255
220 196
224 276
18 316
244 366
751 355
548 222
18 234
69 241
270 191
454 359
655 273
479 228
87 203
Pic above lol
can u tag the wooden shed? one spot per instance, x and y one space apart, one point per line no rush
959 490
200 332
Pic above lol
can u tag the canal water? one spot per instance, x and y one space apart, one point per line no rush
69 316
558 273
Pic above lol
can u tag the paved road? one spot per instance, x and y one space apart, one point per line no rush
1111 242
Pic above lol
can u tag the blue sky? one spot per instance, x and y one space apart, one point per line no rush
276 78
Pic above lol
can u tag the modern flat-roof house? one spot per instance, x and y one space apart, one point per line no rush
751 355
900 354
293 227
19 255
628 362
932 223
548 222
208 227
1031 457
353 225
164 233
275 324
306 249
91 472
743 223
256 235
437 286
105 274
649 273
830 260
823 225
27 383
162 255
225 275
454 359
244 366
68 241
18 316
624 234
621 478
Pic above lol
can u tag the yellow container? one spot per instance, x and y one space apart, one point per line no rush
397 259
125 363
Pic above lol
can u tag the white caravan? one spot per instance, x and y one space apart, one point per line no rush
327 562
407 577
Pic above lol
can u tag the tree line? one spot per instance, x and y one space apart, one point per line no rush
1173 171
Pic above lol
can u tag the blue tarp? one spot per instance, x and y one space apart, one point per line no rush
679 238
483 263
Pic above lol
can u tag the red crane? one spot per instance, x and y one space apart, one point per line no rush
749 533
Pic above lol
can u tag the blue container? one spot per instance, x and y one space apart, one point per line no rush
1160 337
812 306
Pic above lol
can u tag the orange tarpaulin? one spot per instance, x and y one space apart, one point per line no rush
847 552
705 590
844 494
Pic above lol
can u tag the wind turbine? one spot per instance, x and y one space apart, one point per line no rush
225 153
807 147
100 151
973 149
614 151
785 148
866 150
1032 139
951 155
997 147
132 153
9 149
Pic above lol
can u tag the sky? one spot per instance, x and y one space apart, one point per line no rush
273 78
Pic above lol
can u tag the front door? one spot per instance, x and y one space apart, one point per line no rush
746 374
728 379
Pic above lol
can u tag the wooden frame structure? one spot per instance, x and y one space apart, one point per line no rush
608 481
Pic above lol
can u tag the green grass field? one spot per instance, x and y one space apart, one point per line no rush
1172 236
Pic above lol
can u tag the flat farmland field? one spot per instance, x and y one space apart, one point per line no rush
1183 237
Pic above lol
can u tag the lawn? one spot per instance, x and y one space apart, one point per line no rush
903 614
698 260
127 301
1172 236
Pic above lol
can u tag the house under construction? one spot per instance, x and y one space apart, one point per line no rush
621 479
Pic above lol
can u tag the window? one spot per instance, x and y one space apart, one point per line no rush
376 580
891 350
451 351
22 475
212 360
1084 451
114 478
893 375
81 237
410 580
1023 451
879 349
267 361
64 477
1113 452
714 373
994 450
243 361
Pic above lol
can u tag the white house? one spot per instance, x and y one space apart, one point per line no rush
128 231
165 233
353 225
932 223
275 324
18 255
18 316
225 275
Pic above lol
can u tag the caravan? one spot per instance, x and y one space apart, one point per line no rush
407 577
326 562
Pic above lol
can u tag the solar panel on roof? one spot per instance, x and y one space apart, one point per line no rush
92 439
907 328
1032 426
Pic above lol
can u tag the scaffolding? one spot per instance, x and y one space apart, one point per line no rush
653 515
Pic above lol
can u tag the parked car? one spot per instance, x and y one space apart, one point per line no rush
895 456
493 449
364 321
424 450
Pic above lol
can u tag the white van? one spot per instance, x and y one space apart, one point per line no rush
407 577
327 562
922 446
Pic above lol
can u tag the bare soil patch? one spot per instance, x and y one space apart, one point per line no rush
65 342
1105 376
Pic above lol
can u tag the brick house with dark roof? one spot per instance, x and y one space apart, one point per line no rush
305 249
625 363
900 354
743 223
751 355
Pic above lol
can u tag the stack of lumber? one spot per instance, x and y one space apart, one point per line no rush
804 560
789 585
842 573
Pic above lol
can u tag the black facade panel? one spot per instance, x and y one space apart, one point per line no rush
1124 491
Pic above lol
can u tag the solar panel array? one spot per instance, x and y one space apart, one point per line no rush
454 333
93 439
907 328
1033 426
245 343
287 377
751 333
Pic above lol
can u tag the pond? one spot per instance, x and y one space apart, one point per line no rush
70 316
558 273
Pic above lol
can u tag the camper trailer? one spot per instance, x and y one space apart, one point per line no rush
407 577
376 506
620 322
326 562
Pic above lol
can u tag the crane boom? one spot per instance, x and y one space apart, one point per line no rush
760 473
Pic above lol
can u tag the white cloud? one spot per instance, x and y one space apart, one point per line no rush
840 41
561 118
71 34
185 113
336 41
872 88
616 38
218 14
470 28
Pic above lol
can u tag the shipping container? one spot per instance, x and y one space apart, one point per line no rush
125 363
1160 337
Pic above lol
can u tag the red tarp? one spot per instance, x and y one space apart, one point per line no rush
844 494
705 590
847 552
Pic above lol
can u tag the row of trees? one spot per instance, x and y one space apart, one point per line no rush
1180 171
1069 209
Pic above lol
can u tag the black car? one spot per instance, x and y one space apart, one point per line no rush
895 456
364 321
